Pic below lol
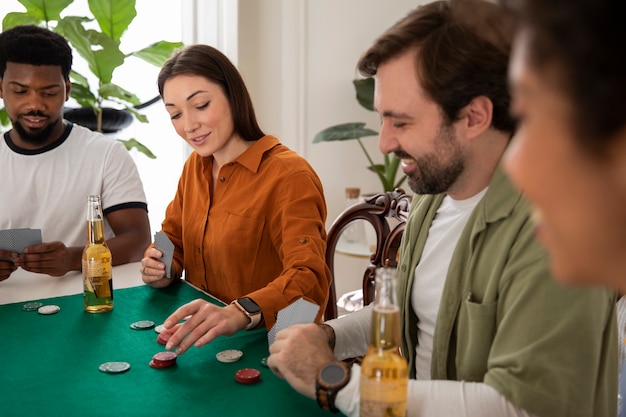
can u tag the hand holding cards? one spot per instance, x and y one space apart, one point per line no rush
165 245
300 311
16 240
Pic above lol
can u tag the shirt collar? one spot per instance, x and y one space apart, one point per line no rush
501 197
252 157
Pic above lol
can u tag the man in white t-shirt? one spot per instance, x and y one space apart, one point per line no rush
485 329
49 166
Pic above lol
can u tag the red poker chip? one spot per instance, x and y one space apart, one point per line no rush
163 338
248 376
163 360
159 365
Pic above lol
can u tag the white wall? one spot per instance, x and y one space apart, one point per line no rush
298 58
156 20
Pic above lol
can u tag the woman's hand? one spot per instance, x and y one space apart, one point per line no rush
206 322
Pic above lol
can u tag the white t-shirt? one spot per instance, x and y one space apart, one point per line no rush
431 272
47 189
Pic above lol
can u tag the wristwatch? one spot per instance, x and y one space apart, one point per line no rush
250 309
330 380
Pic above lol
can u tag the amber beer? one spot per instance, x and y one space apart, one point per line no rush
97 267
384 373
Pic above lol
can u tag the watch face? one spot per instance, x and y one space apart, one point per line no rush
250 306
333 374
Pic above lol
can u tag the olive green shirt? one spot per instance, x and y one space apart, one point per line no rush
505 321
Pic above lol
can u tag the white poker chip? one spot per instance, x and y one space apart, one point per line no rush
48 309
114 367
159 328
229 355
142 325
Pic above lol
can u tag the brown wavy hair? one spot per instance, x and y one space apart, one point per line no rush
463 52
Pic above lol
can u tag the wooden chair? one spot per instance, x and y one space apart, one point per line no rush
375 210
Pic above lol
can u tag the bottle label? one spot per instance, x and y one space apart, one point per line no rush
383 398
93 268
97 279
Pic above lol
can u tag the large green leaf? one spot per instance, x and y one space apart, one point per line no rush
4 117
113 16
102 53
16 19
344 131
46 10
109 91
134 143
157 53
365 92
78 78
81 91
139 116
83 95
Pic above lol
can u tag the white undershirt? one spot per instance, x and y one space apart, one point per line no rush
431 272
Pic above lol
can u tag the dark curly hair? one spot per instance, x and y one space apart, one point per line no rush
460 56
34 45
582 42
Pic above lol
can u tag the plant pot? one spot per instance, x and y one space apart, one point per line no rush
113 120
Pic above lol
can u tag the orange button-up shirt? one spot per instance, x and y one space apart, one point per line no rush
261 235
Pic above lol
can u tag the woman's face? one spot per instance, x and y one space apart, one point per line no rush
579 197
200 113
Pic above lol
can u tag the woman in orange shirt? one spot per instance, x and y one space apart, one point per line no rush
248 218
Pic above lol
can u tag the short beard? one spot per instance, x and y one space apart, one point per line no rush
38 138
438 171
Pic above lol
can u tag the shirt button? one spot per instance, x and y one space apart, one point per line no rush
230 164
303 240
199 250
222 179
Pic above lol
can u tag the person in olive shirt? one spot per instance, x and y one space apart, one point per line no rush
486 329
248 218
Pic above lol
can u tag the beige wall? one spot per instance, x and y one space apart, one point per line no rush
298 58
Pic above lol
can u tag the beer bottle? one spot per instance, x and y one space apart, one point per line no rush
97 267
384 373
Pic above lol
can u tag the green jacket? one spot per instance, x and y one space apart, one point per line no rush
504 320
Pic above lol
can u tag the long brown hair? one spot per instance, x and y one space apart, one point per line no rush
206 61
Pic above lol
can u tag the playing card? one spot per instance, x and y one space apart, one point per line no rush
301 311
165 245
16 240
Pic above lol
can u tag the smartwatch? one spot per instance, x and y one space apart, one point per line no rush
330 380
250 309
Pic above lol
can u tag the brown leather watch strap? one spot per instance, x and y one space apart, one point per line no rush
329 381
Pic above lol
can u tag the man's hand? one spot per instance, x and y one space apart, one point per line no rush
207 321
297 355
7 266
52 258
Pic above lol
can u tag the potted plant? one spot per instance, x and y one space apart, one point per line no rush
388 170
96 39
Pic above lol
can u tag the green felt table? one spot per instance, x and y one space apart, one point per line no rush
49 364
